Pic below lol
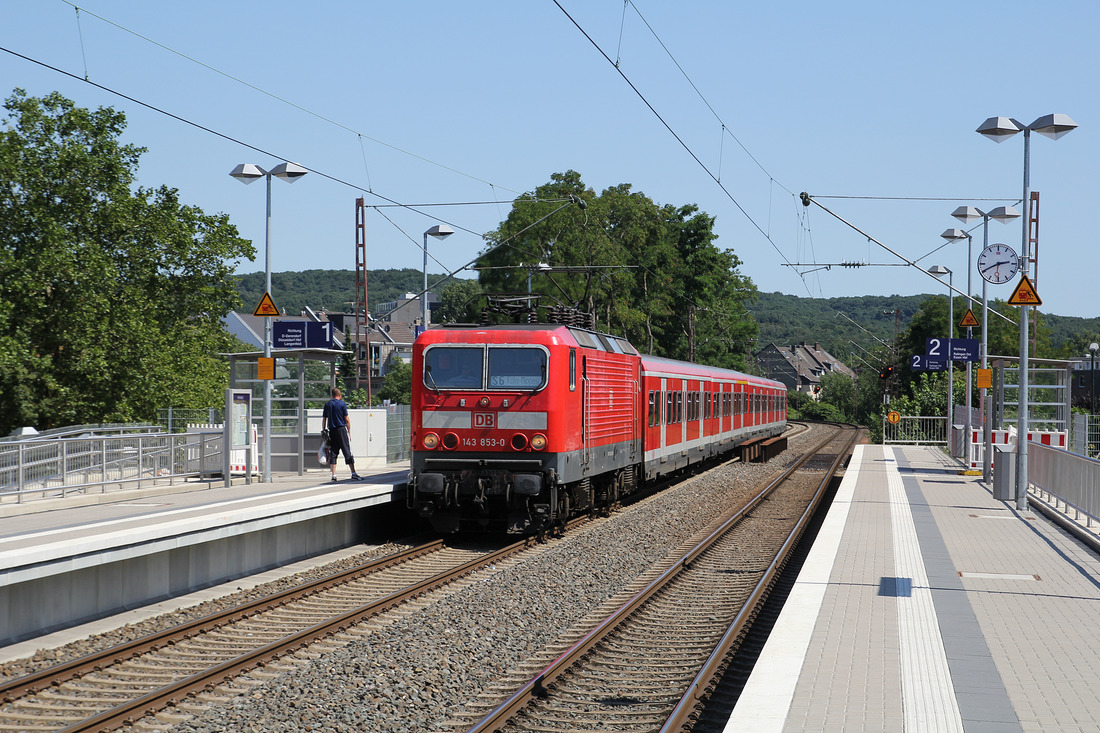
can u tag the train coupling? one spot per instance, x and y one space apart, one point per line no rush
540 515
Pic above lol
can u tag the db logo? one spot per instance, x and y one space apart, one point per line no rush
485 420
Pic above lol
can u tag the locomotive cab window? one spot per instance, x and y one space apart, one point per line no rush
454 367
517 368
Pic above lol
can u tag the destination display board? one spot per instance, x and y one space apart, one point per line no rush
301 335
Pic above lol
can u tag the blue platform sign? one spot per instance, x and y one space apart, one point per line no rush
925 363
954 349
302 335
964 350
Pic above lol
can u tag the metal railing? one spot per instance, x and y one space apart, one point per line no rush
71 431
284 420
58 467
1085 435
1071 481
398 433
915 430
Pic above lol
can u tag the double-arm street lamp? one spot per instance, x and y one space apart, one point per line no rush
439 231
247 173
967 214
1000 129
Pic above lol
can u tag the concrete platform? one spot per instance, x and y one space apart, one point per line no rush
926 605
67 561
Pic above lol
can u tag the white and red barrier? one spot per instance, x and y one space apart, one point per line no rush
976 449
1055 439
237 457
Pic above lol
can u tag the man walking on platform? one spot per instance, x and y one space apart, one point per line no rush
334 418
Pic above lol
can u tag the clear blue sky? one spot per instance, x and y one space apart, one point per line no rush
440 102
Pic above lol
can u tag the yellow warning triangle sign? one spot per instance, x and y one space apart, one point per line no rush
1024 294
266 307
969 320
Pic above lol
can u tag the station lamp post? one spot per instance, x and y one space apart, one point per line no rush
1093 347
439 231
247 173
940 271
967 214
1000 129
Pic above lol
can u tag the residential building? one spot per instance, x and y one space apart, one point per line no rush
801 366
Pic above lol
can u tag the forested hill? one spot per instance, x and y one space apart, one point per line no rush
783 319
790 319
330 290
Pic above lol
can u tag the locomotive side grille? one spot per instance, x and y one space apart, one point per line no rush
612 398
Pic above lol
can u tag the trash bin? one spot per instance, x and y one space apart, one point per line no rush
1004 473
958 441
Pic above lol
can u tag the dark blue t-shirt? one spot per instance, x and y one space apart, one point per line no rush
336 411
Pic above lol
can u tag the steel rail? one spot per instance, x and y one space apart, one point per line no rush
130 711
34 682
537 686
697 690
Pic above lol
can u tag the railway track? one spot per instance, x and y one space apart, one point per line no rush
650 665
120 685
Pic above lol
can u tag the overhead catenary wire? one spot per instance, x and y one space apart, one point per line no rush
235 140
765 232
709 106
276 97
671 131
360 136
392 203
807 199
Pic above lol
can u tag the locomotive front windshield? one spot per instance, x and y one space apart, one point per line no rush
520 368
464 367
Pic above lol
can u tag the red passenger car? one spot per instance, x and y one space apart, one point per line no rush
518 427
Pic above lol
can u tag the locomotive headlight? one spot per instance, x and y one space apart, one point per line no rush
431 440
538 441
519 441
450 441
483 402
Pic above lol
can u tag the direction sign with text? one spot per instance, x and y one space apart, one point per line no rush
964 350
925 363
954 349
302 335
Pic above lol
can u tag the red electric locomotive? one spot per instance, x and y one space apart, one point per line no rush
518 427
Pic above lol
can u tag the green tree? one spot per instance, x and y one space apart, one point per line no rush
647 272
796 403
840 391
822 411
358 398
460 302
111 297
398 387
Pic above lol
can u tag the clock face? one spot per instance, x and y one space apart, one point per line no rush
998 263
